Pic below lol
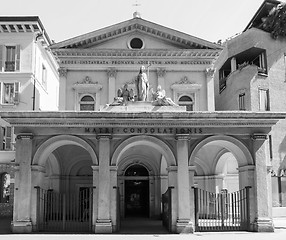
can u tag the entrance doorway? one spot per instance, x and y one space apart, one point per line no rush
136 198
137 191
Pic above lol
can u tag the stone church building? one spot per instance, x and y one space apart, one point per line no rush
100 156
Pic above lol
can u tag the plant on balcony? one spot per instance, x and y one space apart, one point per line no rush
275 22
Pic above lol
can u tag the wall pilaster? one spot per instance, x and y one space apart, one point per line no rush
111 73
161 72
63 72
210 89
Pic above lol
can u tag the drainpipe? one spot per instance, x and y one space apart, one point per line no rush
34 74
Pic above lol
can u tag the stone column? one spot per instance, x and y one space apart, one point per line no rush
63 72
184 225
210 89
161 72
103 223
22 199
111 73
262 184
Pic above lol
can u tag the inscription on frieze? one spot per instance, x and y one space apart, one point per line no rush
144 130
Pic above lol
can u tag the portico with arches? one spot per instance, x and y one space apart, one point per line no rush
113 170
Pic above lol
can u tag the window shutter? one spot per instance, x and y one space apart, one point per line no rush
1 58
17 58
2 131
8 138
16 92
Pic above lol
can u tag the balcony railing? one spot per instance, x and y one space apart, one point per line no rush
9 66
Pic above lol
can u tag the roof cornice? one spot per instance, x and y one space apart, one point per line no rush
138 25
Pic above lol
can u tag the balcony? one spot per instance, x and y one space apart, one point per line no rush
10 66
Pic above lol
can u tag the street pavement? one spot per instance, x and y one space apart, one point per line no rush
279 234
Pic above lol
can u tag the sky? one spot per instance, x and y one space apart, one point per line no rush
211 20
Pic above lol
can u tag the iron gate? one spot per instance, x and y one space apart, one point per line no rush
221 211
57 212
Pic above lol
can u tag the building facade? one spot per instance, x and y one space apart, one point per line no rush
29 81
99 155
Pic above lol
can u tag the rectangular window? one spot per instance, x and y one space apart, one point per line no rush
264 104
260 62
10 62
241 101
9 93
6 138
9 58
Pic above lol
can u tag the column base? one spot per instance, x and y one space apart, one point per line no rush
263 225
22 226
103 226
184 226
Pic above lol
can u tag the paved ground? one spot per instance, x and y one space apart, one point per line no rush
279 234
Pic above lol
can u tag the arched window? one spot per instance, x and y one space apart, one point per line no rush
87 103
186 101
4 187
136 170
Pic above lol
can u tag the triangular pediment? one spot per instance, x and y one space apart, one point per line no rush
163 37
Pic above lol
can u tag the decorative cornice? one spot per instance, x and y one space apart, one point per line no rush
137 25
185 83
107 53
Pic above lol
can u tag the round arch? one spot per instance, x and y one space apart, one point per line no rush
150 141
238 149
55 142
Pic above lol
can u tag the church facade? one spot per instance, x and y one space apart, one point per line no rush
104 155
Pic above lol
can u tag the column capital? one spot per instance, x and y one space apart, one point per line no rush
37 168
210 72
63 72
161 72
95 168
111 72
103 136
181 137
25 136
259 136
246 168
172 168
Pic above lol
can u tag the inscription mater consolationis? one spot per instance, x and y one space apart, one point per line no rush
138 130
